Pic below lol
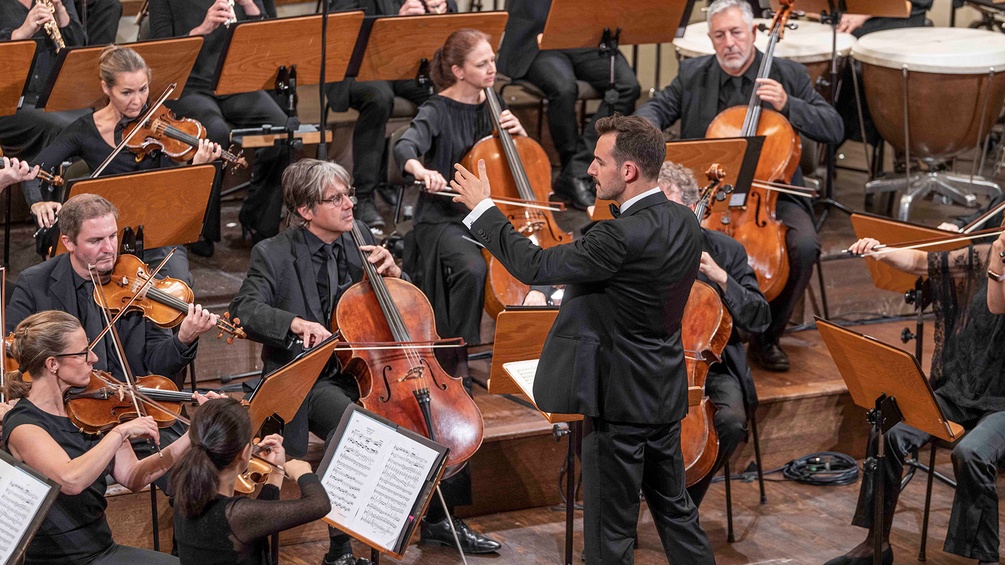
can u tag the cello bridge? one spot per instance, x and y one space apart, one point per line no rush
413 373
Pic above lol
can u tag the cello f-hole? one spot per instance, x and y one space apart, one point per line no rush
758 210
432 375
387 385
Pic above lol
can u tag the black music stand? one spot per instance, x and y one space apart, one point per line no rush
16 63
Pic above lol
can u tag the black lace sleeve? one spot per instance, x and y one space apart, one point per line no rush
251 519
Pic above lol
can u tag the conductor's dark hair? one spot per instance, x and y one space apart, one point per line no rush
636 140
455 51
220 431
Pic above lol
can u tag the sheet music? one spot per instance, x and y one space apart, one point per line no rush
374 479
523 373
21 498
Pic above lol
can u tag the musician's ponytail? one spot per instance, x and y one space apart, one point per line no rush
220 431
453 53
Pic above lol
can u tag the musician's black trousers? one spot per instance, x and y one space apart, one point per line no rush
375 101
803 247
555 73
619 460
973 525
102 20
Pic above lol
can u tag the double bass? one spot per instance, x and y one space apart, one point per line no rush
755 224
705 329
518 169
390 330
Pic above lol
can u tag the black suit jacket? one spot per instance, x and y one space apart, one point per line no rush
519 44
614 351
280 286
693 98
50 286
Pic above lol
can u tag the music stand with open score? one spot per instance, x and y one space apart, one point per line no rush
163 208
75 83
520 335
16 64
736 155
889 383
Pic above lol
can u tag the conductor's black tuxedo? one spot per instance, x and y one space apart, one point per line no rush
614 354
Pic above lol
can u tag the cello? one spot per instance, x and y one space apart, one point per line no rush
517 168
754 224
404 384
705 329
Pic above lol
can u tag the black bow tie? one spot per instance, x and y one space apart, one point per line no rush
615 210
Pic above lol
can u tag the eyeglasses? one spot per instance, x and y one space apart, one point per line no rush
337 199
85 353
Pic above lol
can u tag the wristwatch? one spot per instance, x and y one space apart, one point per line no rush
995 276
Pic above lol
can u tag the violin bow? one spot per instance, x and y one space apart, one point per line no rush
114 335
3 324
141 396
143 288
126 139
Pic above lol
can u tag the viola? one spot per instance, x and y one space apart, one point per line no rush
165 301
705 329
178 138
403 384
518 169
105 402
754 224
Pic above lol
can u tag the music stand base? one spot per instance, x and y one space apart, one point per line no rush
951 187
884 416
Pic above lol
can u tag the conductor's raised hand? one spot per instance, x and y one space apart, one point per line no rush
470 189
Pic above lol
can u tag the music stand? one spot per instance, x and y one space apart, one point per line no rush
520 335
914 288
170 211
281 54
890 384
736 155
576 24
379 54
16 61
74 82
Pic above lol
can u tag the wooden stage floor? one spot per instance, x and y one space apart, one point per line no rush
800 524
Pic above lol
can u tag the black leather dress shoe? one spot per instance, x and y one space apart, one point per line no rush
202 248
472 543
768 356
845 560
347 559
389 194
578 192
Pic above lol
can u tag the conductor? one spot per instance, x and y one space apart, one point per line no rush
614 353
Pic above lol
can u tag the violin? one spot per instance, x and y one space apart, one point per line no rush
105 402
164 301
257 473
403 384
754 224
518 169
178 138
705 329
